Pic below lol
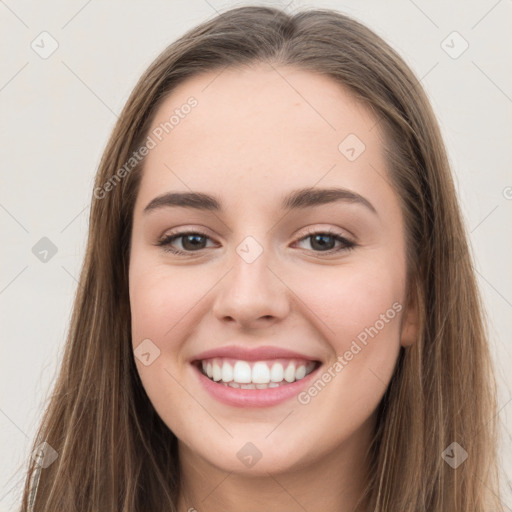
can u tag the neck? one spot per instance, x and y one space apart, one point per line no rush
333 481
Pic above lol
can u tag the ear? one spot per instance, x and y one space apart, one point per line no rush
411 318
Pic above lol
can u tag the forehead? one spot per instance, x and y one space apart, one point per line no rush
262 129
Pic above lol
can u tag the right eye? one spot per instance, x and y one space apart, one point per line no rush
191 241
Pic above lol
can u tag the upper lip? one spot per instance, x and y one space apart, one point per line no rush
252 354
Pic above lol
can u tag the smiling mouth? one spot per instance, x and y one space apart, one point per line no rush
264 374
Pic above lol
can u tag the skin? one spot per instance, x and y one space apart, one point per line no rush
256 135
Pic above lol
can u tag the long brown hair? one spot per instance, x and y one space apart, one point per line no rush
114 451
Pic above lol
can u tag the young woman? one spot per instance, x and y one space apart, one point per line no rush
277 308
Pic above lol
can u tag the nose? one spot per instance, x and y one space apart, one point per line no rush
251 295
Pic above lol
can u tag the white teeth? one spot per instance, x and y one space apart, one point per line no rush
277 372
260 373
300 372
241 372
259 376
227 372
289 373
217 373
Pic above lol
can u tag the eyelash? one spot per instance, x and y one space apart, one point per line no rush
165 243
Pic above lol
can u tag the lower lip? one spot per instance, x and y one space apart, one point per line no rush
239 397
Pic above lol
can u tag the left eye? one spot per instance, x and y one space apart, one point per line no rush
194 241
324 241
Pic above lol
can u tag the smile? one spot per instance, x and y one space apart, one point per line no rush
255 374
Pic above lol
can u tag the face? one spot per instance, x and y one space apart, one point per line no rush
259 283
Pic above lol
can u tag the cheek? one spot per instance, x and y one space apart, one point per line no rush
353 297
360 308
160 300
161 304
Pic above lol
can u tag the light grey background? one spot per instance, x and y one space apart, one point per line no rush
57 114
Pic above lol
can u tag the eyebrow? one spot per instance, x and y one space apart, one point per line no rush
297 199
